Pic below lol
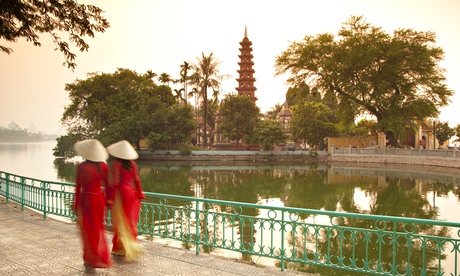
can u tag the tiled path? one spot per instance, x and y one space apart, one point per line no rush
30 245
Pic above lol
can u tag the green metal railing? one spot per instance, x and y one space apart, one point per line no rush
47 197
302 239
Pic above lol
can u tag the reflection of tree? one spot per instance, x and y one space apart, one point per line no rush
310 191
65 170
174 182
242 187
396 200
356 245
442 189
165 216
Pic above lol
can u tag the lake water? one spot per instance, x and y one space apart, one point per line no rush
30 159
386 190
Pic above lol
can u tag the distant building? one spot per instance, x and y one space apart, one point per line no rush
14 126
284 117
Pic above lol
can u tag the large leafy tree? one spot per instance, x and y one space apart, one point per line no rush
180 124
30 19
442 131
267 134
301 93
457 132
239 118
212 108
111 107
164 93
206 77
395 78
311 123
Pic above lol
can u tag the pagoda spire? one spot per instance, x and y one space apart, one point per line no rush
246 78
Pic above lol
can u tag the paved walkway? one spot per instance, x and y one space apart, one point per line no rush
30 245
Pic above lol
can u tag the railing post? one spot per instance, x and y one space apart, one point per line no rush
23 186
7 182
197 228
44 199
394 266
283 228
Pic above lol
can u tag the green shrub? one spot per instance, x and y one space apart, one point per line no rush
185 151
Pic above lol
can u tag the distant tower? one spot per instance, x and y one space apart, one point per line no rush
246 78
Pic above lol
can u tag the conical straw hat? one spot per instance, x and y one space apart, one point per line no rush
91 150
123 150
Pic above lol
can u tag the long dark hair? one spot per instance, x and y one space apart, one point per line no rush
95 164
127 164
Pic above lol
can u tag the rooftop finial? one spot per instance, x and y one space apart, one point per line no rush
245 31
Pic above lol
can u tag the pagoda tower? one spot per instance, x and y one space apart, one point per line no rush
246 78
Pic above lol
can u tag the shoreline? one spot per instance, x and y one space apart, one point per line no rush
222 158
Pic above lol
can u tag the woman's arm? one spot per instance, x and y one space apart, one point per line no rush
137 182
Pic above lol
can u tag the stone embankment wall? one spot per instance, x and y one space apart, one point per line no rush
302 158
436 161
232 158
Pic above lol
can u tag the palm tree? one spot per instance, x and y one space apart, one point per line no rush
207 76
273 112
195 92
184 78
178 95
164 78
150 75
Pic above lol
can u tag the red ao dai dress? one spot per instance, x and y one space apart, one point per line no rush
89 207
126 196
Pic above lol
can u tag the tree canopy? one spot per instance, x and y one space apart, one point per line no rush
442 131
239 117
396 78
268 134
29 19
311 122
123 105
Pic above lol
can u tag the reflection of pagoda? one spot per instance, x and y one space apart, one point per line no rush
246 73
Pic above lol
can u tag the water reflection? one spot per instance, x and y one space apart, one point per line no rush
384 191
380 190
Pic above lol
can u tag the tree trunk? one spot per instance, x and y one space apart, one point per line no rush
392 141
205 112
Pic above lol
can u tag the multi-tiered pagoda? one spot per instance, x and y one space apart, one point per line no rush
246 78
245 88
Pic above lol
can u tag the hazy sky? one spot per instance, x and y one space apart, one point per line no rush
160 35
